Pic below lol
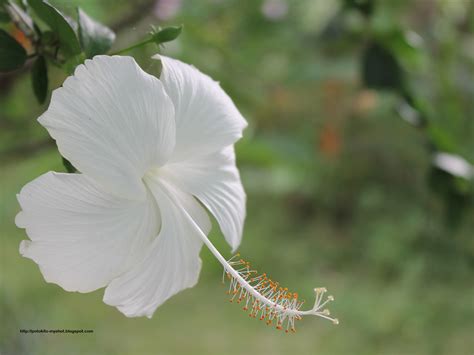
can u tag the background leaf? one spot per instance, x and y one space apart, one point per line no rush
406 46
39 79
380 69
95 38
68 166
58 23
12 54
366 7
4 17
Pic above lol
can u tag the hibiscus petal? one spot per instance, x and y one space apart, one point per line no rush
81 237
172 263
215 181
206 118
113 121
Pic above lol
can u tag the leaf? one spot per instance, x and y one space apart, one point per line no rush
406 45
68 166
4 16
441 139
366 7
39 79
58 24
12 54
167 34
95 38
380 69
456 199
48 38
72 62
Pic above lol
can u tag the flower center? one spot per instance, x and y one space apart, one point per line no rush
153 174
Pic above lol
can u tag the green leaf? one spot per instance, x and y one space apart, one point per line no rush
380 68
68 166
58 23
166 34
95 38
406 45
12 54
70 65
39 79
441 138
456 200
4 16
366 7
49 38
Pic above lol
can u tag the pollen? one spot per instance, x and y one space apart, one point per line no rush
266 300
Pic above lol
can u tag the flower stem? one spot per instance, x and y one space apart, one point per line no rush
137 45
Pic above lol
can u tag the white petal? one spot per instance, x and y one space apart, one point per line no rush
172 263
215 181
206 118
113 121
81 237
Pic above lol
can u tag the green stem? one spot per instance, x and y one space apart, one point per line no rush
137 45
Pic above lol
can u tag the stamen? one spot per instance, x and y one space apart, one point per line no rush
265 299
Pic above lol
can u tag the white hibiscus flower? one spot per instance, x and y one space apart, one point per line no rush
148 150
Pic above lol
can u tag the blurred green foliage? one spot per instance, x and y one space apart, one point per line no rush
349 103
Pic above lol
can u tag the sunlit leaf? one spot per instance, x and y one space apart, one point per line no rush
406 45
59 24
12 54
95 38
441 138
39 77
